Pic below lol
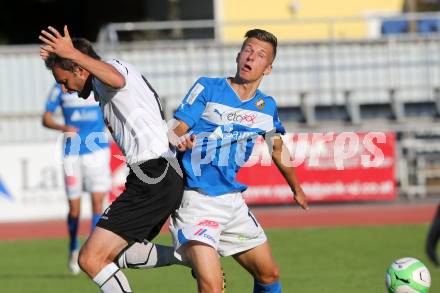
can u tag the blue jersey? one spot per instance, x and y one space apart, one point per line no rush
86 115
226 129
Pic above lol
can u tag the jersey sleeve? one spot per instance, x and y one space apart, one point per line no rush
193 104
54 99
119 66
104 91
278 126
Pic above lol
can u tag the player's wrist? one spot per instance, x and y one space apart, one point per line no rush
295 189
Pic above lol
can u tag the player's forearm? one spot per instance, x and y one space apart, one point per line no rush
55 126
106 73
48 122
287 171
283 161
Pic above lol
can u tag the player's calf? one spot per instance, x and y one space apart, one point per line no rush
148 255
111 280
274 287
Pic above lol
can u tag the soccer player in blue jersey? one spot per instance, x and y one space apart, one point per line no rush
86 158
226 115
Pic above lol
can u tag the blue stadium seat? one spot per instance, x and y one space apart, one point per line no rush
394 26
428 25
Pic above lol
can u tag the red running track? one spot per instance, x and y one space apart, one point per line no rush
279 217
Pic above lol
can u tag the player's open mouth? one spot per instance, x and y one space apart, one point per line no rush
247 68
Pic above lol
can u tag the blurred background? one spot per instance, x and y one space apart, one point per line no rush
358 87
343 66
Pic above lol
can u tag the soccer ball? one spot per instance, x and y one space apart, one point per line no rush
408 275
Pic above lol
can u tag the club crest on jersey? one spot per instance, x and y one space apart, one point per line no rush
260 104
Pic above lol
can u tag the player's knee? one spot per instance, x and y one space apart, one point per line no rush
87 259
74 213
83 259
270 275
210 284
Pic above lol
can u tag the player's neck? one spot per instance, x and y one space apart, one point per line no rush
244 90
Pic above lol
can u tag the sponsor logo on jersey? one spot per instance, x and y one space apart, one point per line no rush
216 111
237 116
4 192
221 114
84 116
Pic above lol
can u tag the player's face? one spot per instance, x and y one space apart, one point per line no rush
254 60
70 81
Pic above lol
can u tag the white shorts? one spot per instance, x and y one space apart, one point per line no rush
223 222
88 172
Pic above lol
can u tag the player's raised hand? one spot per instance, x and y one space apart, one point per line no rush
56 43
44 54
300 198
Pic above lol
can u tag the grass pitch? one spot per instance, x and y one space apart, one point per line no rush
312 260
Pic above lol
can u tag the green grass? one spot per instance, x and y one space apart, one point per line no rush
321 260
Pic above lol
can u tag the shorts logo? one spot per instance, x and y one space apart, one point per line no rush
4 192
200 232
105 214
71 180
208 223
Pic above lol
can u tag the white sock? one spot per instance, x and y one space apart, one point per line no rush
148 255
111 280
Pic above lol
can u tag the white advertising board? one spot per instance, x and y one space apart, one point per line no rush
32 183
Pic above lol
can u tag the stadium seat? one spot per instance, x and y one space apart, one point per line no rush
394 26
425 26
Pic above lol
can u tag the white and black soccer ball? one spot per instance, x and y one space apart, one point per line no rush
408 275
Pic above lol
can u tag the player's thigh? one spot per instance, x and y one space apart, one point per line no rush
96 172
259 262
205 262
72 176
101 247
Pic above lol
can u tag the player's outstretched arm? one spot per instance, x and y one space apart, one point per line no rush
61 45
282 159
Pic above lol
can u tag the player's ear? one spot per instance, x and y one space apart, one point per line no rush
80 71
268 70
237 58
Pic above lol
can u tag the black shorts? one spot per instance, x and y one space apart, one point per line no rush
140 211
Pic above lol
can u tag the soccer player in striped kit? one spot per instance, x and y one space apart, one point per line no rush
134 116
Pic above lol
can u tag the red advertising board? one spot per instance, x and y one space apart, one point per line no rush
119 171
344 166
